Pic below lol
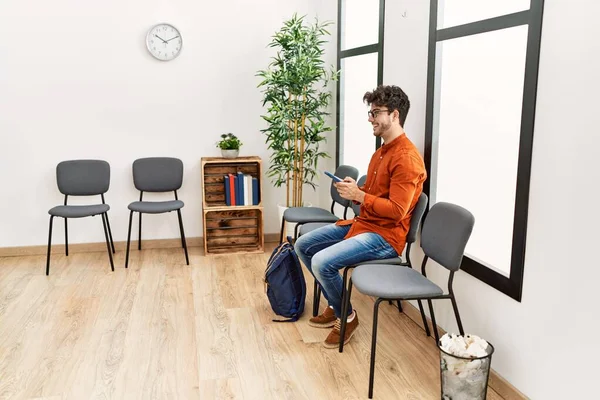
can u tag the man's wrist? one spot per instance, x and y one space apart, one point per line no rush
360 197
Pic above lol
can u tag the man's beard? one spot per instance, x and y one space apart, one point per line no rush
381 129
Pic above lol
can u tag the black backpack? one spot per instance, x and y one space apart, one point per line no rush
285 284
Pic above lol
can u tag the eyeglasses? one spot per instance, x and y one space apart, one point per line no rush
373 114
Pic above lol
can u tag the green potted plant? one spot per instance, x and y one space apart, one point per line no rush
229 145
297 96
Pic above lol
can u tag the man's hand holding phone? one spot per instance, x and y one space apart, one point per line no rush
349 190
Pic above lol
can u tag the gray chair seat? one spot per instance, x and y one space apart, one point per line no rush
73 211
386 261
308 214
155 207
392 282
304 229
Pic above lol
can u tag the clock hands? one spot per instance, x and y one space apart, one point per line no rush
164 41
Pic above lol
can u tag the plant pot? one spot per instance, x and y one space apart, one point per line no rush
230 153
289 226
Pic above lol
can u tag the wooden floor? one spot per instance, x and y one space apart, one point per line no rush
164 330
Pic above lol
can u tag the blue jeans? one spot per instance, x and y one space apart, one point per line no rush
324 252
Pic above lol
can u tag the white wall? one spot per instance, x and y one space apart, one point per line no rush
545 345
76 81
405 59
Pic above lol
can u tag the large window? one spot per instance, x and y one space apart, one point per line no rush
360 60
482 78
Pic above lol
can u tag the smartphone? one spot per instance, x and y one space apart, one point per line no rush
332 176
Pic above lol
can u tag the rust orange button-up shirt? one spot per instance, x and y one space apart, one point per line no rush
394 183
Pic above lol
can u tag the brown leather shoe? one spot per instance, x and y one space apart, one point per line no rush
333 340
325 320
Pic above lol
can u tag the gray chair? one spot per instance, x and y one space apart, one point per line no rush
411 237
82 178
305 215
445 234
156 174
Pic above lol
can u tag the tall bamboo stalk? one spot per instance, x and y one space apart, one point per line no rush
295 158
287 184
302 144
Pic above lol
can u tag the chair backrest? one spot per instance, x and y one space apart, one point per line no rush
417 216
157 174
356 207
342 171
445 234
83 177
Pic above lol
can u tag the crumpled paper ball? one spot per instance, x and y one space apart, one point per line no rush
468 346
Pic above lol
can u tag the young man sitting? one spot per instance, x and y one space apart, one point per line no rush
394 183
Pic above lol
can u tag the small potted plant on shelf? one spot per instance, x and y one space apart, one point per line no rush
229 145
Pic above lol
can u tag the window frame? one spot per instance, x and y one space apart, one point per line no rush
512 285
357 51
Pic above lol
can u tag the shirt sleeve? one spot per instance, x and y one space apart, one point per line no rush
405 177
360 188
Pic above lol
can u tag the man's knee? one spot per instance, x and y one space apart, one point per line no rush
323 265
300 245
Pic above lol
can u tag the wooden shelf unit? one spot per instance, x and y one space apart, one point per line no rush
230 229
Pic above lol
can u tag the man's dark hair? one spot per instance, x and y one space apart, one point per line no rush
391 97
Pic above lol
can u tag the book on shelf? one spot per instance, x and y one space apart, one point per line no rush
255 192
232 185
227 190
241 190
248 190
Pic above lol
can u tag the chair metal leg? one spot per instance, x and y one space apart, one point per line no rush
435 330
344 316
140 234
346 294
399 306
112 265
345 281
373 346
296 229
316 298
49 246
344 300
425 324
282 229
458 322
66 238
187 260
112 243
128 239
183 244
345 289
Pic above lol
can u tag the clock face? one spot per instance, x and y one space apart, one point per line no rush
164 42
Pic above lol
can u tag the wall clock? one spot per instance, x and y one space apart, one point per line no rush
164 42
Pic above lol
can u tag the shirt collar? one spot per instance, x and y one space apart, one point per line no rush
387 146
